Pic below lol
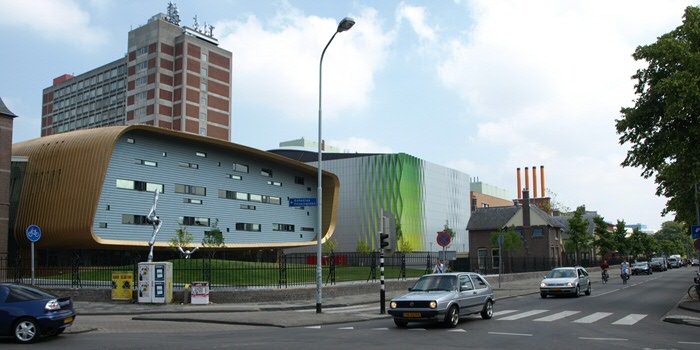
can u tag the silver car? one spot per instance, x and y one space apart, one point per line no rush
566 280
444 297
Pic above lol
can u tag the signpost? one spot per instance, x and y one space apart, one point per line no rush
302 202
501 238
33 234
695 231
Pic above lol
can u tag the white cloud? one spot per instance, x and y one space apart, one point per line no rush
62 21
277 64
360 145
416 17
545 81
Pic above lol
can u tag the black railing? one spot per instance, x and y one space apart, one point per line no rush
268 271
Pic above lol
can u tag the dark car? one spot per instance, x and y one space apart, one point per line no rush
658 264
27 312
444 297
641 267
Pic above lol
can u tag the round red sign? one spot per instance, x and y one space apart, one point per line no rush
696 244
443 238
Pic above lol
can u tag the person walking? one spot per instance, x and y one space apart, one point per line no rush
439 267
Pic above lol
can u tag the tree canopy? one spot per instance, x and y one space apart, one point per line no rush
579 237
663 127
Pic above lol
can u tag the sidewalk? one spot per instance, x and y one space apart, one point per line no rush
301 313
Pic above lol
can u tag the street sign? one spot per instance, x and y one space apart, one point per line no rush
695 231
302 202
696 244
33 233
443 238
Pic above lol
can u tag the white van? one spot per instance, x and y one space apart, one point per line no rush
674 262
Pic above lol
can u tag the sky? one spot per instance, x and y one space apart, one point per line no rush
483 87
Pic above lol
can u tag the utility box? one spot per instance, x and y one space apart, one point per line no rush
199 293
155 282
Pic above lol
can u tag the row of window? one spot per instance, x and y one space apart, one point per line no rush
87 82
129 219
243 196
85 95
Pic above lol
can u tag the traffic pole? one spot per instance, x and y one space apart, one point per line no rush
382 302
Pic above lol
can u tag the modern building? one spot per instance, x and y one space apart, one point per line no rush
6 124
418 196
172 77
93 189
484 195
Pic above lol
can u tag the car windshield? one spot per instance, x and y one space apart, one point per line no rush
640 264
561 273
435 283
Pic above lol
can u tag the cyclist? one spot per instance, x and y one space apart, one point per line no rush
604 268
624 271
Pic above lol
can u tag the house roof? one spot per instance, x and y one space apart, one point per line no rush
495 218
4 111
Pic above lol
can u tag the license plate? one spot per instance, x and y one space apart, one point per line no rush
68 320
411 314
556 289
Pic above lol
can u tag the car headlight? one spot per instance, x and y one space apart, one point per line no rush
433 304
52 305
543 284
392 305
569 284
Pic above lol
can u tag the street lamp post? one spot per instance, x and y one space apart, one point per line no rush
344 25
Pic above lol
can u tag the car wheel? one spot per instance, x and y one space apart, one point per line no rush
452 317
400 324
577 292
543 295
487 312
588 291
26 330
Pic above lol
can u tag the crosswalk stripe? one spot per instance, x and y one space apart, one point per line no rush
458 330
522 315
503 312
557 316
349 328
593 317
630 319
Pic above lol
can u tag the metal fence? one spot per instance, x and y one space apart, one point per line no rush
273 271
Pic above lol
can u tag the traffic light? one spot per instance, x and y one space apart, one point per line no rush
383 237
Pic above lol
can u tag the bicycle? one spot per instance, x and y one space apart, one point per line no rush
695 286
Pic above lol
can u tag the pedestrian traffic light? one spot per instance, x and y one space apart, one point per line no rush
383 237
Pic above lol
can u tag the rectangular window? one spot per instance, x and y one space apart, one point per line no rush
134 219
187 189
299 180
192 201
247 207
242 196
241 226
130 140
274 183
141 81
142 50
203 116
241 168
141 96
201 154
307 229
266 172
283 227
234 177
192 221
482 258
141 66
495 258
256 198
188 165
203 71
272 200
103 225
139 185
146 162
537 231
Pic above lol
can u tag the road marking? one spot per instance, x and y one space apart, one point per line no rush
343 309
605 339
593 317
348 328
522 315
557 316
689 342
417 329
516 334
380 329
458 330
503 312
630 319
313 327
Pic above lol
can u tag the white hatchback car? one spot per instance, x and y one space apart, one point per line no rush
566 280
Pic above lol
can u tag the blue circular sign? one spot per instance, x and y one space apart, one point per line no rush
33 233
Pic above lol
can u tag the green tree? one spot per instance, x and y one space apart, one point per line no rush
183 238
578 232
330 245
603 237
511 241
673 238
213 239
362 246
405 246
620 237
635 242
450 231
663 127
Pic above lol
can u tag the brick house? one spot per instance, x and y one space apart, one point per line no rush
540 232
